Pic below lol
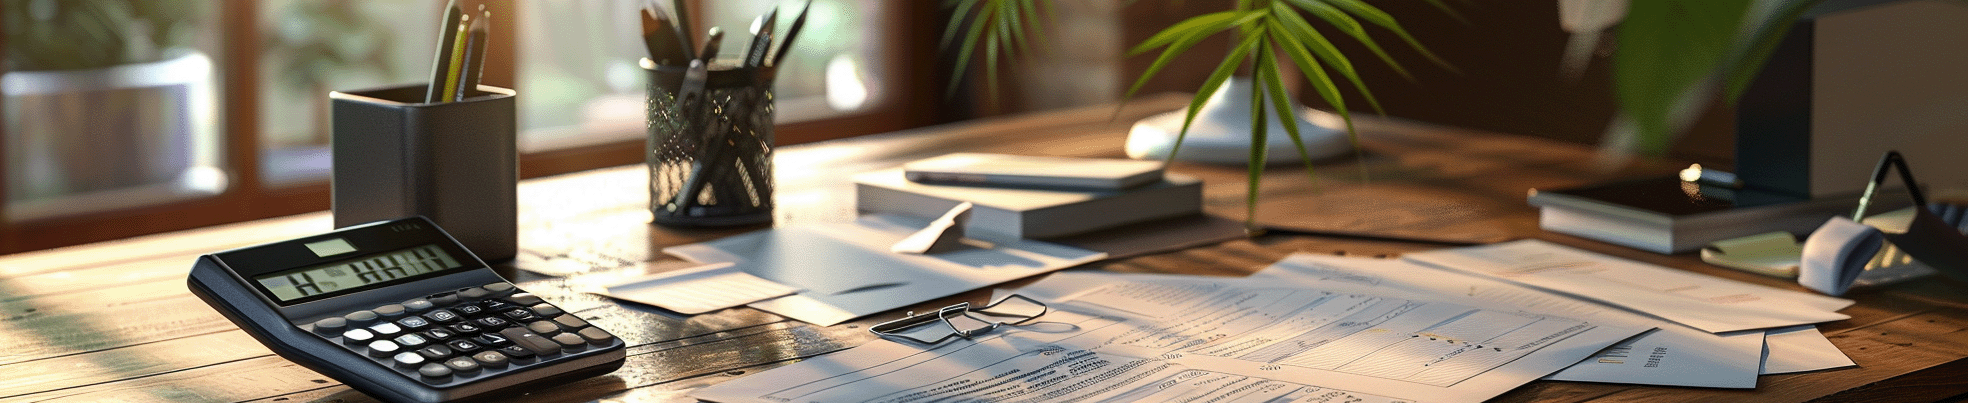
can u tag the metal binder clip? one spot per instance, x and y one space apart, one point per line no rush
950 315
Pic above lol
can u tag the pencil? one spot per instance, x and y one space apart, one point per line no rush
454 69
440 67
474 56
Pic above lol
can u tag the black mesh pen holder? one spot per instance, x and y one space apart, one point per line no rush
710 146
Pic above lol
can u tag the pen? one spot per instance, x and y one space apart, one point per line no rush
761 38
447 33
792 32
474 57
711 44
683 28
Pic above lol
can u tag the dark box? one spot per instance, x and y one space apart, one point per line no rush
455 162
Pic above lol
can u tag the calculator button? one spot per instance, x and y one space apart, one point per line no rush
463 346
386 329
497 287
492 323
516 351
383 348
389 311
466 328
358 336
413 323
524 298
546 310
330 326
418 305
473 293
497 305
492 359
462 364
518 314
570 321
596 335
569 340
531 341
408 359
491 340
543 327
360 316
435 352
411 340
443 298
438 334
434 370
468 309
443 316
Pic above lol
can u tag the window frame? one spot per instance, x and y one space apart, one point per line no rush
910 102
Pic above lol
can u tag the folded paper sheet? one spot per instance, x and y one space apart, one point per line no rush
846 270
698 290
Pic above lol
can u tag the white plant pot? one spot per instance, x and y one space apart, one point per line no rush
1221 133
116 137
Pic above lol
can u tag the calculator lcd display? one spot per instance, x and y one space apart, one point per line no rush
362 272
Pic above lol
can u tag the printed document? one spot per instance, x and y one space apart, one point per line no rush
1213 340
1041 363
1674 355
1708 303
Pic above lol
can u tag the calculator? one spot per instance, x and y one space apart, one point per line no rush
401 311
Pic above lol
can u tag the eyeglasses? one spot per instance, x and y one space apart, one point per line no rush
963 320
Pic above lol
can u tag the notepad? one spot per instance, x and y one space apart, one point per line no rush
699 290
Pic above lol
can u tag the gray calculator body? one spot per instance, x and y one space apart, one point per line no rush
401 311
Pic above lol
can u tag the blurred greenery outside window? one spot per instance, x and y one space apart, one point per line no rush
109 104
579 83
311 47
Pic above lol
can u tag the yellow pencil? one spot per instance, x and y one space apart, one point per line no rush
455 70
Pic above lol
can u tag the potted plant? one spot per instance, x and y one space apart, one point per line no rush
1250 79
1672 56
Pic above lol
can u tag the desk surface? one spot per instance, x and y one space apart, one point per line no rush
114 322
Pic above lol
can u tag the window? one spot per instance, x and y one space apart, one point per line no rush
228 118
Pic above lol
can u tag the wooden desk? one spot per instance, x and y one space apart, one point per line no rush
114 322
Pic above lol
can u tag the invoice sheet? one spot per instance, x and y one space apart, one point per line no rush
1055 360
1674 355
845 270
1708 303
1382 345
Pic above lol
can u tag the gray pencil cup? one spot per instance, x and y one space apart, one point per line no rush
710 156
456 163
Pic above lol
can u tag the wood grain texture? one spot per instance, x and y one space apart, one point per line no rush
114 321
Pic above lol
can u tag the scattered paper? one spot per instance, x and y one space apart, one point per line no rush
698 290
846 270
1228 342
1674 355
1708 303
942 234
1043 363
